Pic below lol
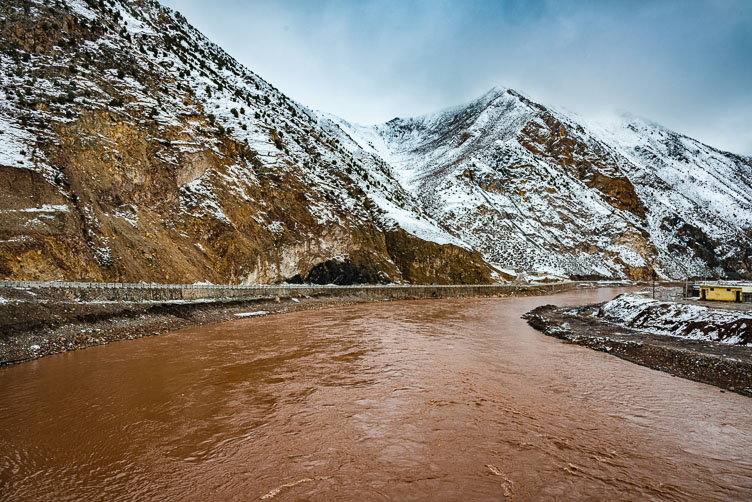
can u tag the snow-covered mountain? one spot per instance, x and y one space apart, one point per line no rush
132 148
533 188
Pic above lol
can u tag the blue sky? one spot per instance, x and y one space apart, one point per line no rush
685 64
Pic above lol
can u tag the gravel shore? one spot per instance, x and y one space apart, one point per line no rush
46 324
726 366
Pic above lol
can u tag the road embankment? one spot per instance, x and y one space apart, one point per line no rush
39 319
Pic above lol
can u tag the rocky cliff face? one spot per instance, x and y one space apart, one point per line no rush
532 188
134 149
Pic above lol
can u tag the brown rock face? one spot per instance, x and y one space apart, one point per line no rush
45 28
424 262
148 154
619 191
587 162
39 230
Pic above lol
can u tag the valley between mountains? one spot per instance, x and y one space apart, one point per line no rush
132 148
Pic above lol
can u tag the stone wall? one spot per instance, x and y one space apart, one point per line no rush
94 291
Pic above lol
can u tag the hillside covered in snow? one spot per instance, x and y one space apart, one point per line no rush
134 149
537 189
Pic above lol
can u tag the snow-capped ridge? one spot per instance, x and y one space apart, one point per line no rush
534 187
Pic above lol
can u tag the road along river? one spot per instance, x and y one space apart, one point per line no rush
419 400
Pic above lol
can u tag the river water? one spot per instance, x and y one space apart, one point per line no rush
424 400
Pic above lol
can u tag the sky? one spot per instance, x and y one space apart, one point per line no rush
686 64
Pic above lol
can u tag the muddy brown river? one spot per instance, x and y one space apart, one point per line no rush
423 400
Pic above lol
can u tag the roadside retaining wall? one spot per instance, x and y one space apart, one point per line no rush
94 291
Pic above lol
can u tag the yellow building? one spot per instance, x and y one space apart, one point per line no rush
725 292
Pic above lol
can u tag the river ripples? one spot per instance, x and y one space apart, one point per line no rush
425 400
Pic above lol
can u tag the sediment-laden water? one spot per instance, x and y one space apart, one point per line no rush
425 400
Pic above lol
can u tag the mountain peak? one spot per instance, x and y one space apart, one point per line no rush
535 188
496 91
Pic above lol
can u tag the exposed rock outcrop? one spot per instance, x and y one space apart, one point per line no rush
134 149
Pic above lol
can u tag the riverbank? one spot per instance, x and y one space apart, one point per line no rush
40 319
724 365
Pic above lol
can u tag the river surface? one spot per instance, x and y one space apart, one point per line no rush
422 400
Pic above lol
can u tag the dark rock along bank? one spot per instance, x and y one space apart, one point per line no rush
728 367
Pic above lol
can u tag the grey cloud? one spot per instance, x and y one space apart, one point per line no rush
684 64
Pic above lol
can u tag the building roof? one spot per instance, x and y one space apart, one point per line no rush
745 286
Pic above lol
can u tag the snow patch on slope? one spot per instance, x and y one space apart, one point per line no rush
692 322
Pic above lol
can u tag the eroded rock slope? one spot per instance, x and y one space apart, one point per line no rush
134 149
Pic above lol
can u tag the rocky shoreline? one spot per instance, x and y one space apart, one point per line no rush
38 322
726 366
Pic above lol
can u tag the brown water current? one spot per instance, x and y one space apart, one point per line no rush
423 400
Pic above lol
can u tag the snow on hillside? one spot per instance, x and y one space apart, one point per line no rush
133 117
703 179
693 322
401 208
538 189
198 83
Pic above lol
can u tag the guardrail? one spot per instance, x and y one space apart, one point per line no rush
141 285
154 292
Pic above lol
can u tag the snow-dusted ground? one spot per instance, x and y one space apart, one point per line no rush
253 314
693 322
